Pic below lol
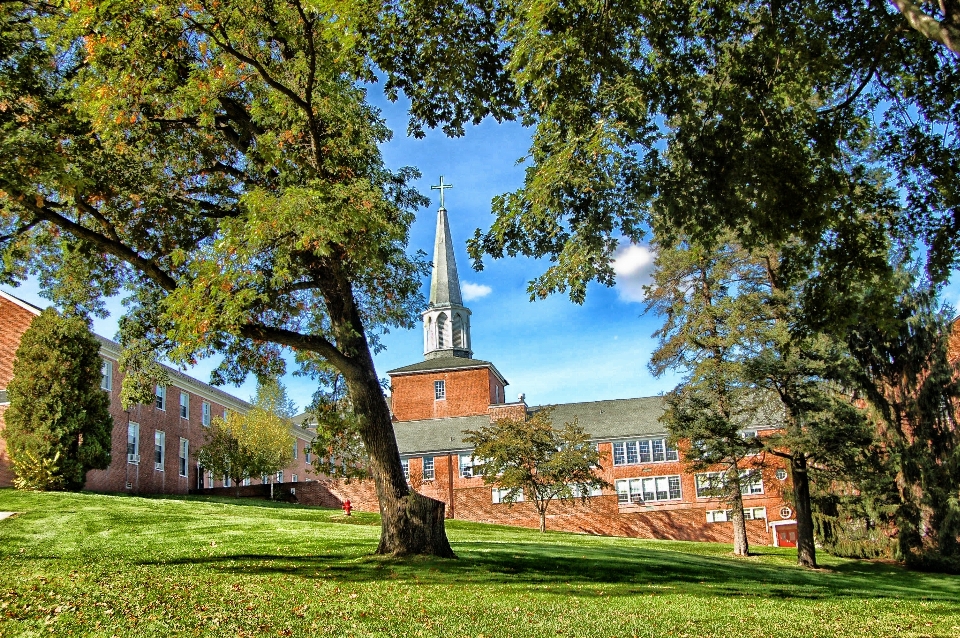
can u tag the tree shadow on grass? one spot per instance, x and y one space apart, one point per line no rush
610 572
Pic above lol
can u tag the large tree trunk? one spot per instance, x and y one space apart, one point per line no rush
806 549
741 546
410 522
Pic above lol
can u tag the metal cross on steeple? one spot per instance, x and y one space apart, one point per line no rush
441 188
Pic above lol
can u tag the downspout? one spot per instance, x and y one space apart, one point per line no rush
450 475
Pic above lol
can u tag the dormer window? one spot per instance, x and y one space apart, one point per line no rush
439 390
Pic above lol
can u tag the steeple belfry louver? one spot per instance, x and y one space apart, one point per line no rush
446 322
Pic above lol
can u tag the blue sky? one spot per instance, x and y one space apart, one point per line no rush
553 351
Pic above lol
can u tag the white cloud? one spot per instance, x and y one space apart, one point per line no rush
474 291
633 265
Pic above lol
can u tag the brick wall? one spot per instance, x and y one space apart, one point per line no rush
468 392
14 321
121 476
468 498
514 411
304 493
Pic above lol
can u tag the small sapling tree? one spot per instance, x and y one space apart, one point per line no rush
58 425
257 443
532 458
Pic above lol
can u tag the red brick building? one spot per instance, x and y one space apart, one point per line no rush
651 495
154 446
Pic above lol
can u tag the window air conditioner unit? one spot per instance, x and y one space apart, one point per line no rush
133 458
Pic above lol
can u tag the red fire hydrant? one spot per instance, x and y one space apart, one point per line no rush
347 507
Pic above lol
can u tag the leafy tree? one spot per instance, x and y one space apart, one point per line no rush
910 383
532 459
769 120
58 425
222 455
804 371
703 329
258 443
730 321
219 162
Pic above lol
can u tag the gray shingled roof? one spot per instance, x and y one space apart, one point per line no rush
602 420
436 435
446 363
613 419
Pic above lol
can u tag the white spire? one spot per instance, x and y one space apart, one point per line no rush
446 322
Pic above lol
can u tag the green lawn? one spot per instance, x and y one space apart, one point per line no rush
85 564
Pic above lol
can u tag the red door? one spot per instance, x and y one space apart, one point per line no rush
787 535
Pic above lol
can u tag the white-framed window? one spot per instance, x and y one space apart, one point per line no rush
306 454
184 405
160 452
428 471
643 451
781 474
466 466
439 390
264 479
209 479
133 443
500 493
296 447
749 514
293 478
205 413
161 397
106 376
184 456
245 482
576 492
648 489
226 481
710 484
405 464
226 413
280 476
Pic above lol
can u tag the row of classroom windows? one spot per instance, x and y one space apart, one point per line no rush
160 445
633 490
106 383
653 450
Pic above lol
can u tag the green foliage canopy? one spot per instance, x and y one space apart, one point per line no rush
58 415
531 459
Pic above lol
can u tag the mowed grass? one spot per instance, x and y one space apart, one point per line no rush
88 564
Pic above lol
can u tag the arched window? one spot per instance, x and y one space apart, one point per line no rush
458 331
441 331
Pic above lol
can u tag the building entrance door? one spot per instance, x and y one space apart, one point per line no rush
787 535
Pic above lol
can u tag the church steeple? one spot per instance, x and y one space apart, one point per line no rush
446 322
444 284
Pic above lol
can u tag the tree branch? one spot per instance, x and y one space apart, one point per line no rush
946 33
312 343
24 228
44 211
